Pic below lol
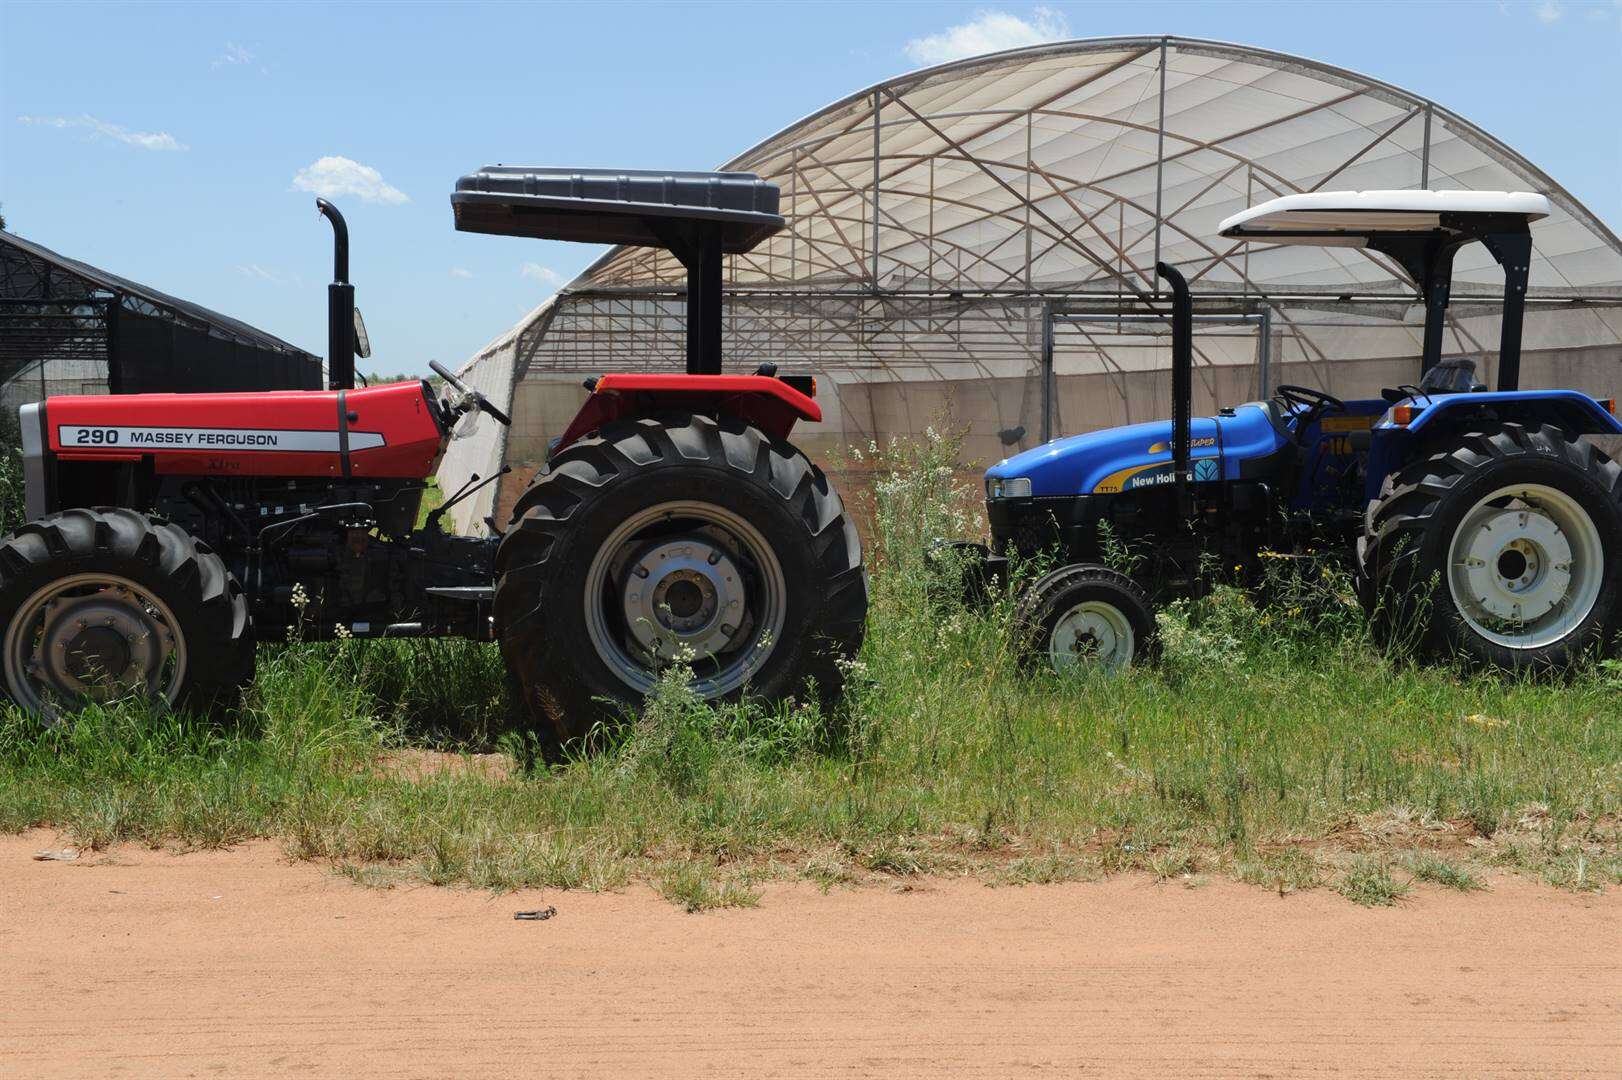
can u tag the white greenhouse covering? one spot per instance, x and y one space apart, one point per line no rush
979 239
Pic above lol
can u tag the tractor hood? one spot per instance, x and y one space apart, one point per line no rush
1119 459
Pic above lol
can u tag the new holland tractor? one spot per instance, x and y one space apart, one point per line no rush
673 519
1479 522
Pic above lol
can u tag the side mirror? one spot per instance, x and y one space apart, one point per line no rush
363 344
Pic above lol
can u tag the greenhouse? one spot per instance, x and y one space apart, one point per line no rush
67 327
974 245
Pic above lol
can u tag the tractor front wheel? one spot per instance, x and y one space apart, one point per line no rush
680 539
1504 549
1084 614
107 603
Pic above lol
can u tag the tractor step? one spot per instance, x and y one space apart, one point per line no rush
464 594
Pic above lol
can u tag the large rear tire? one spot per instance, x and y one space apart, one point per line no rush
679 537
105 603
1504 549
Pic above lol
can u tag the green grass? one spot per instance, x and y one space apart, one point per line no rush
1436 870
1369 881
693 886
1271 744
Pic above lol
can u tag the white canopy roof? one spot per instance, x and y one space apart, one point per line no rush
1345 217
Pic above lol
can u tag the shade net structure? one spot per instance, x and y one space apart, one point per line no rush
70 328
978 240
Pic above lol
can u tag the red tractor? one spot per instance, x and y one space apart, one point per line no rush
673 520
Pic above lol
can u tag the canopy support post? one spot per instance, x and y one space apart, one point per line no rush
1513 250
697 245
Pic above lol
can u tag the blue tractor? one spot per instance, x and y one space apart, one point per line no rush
1478 521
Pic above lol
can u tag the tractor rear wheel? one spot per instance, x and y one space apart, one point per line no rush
107 603
1503 548
1085 614
676 539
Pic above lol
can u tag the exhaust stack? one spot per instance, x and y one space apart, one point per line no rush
1182 377
340 305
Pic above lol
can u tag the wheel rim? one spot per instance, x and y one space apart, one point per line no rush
1525 566
1092 633
686 577
92 637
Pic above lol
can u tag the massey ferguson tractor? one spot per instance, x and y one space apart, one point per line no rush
673 520
1479 522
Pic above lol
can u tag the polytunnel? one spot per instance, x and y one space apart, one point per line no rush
974 244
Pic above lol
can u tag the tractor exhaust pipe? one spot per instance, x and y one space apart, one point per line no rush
1182 377
340 305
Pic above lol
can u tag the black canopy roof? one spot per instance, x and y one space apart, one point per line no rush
616 206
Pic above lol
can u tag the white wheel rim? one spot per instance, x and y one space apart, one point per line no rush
1525 566
1093 633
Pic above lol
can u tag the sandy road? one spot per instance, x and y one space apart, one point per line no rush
238 964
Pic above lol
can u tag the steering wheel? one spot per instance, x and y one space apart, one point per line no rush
1309 399
469 397
1312 403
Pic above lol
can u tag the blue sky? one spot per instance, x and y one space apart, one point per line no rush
178 144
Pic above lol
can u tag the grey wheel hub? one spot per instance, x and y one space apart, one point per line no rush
684 593
686 580
89 637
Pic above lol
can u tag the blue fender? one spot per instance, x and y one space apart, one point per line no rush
1569 410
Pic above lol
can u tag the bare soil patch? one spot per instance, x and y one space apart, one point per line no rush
237 963
418 765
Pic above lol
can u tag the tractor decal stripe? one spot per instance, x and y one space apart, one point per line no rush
1112 484
103 437
1204 468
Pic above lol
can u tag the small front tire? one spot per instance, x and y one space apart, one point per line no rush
1085 614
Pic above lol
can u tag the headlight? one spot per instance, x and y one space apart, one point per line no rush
1017 487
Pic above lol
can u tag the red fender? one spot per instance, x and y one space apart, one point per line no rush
765 401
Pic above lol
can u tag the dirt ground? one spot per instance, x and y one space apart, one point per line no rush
238 964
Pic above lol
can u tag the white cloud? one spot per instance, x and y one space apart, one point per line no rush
331 177
1549 11
544 274
146 140
990 31
234 56
458 272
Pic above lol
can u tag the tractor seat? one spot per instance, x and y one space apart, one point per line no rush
1454 375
